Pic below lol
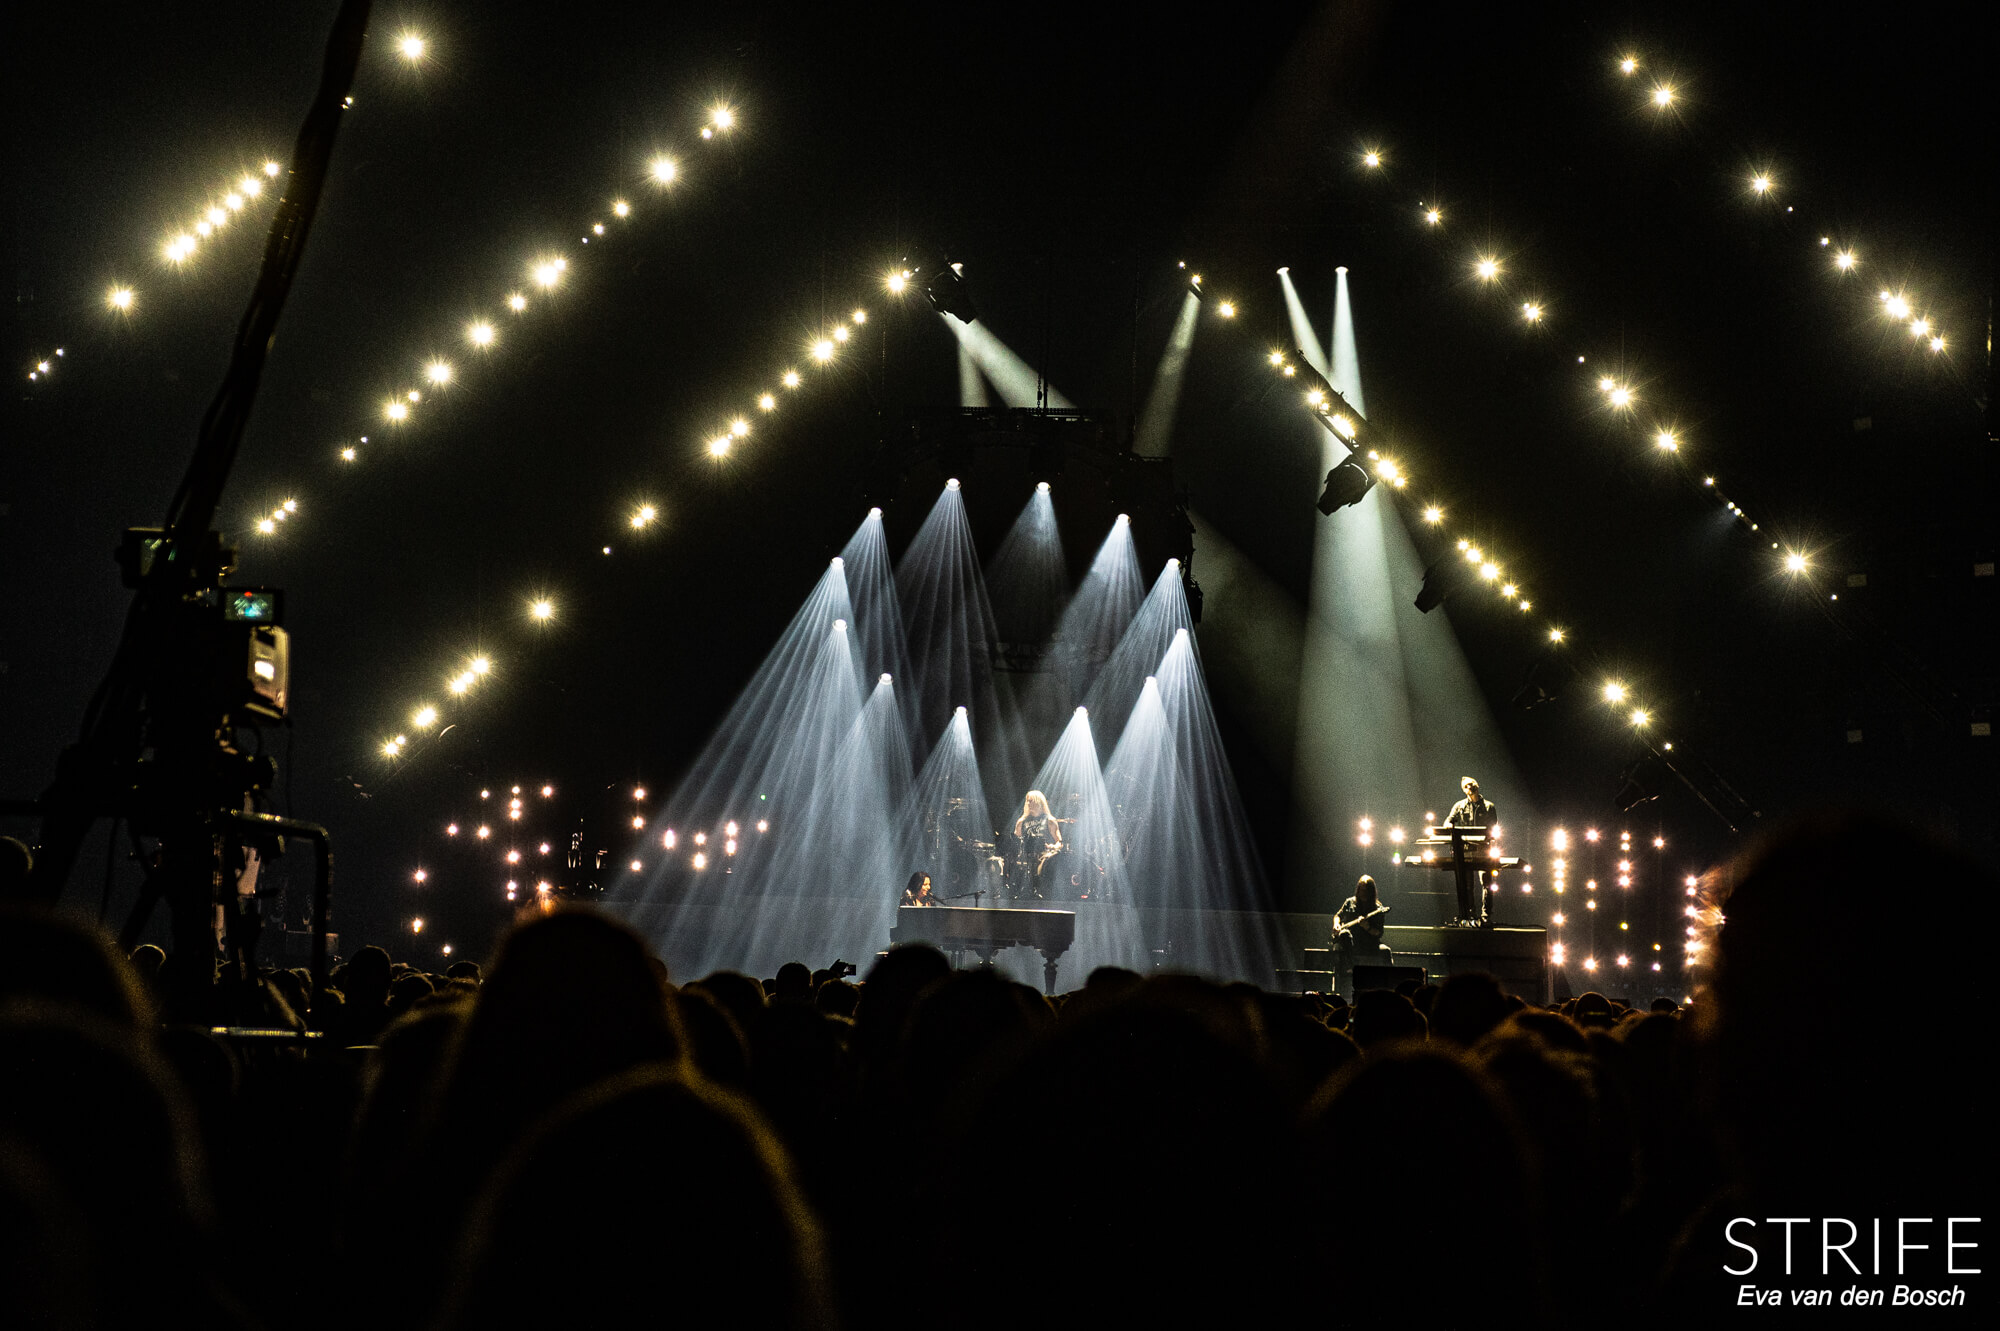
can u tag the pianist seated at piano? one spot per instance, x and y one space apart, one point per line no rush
917 892
1357 927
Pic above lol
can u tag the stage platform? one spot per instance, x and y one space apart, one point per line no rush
1517 958
757 935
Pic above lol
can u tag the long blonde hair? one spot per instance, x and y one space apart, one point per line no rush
1035 797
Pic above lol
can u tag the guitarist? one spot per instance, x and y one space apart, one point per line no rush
1357 931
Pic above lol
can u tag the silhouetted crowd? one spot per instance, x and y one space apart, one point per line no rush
565 1137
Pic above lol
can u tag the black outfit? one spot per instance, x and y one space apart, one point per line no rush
1036 836
1363 939
1472 811
1362 942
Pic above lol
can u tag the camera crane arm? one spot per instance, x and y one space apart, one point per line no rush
94 775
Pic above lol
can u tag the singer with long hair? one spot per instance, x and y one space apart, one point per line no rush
1037 840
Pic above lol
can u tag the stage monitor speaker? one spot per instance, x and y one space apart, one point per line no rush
1387 977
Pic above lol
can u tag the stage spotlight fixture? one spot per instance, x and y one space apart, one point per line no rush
1041 487
663 170
542 610
944 287
1433 514
790 379
1845 261
1897 307
1629 65
1346 484
1433 216
1371 159
1760 183
1441 579
718 447
1937 343
1332 410
1795 562
411 46
1663 96
1614 692
1227 309
1667 441
1487 268
951 484
767 402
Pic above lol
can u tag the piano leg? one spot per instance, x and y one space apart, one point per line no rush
1049 974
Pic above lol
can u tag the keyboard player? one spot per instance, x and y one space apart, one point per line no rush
1473 812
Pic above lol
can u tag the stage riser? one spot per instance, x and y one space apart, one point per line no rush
759 935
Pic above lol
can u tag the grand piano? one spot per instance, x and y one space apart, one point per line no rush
984 930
